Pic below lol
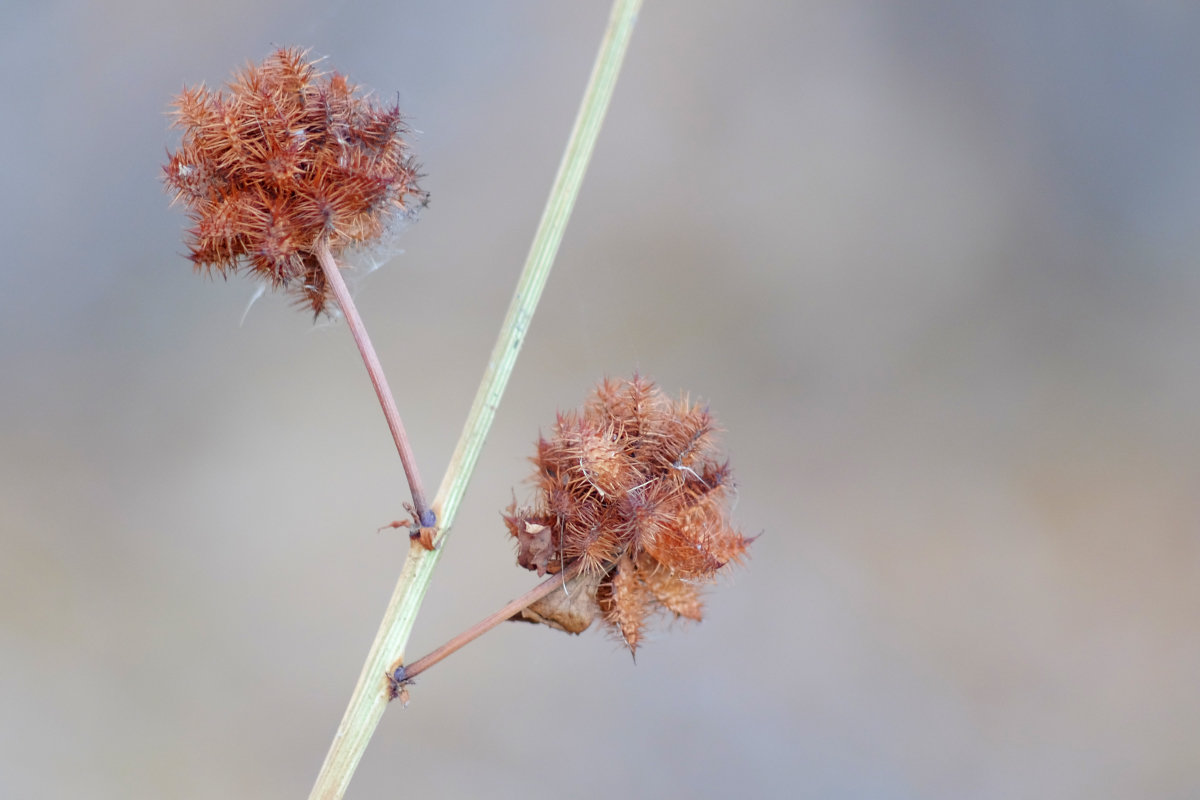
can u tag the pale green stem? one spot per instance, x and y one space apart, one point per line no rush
369 700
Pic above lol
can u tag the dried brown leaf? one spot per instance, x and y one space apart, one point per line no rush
571 610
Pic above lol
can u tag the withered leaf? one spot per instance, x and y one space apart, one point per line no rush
572 610
535 547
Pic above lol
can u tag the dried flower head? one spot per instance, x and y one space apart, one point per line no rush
288 159
633 489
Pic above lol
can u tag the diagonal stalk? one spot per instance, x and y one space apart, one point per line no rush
369 699
405 673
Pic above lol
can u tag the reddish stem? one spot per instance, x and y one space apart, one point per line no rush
401 674
333 276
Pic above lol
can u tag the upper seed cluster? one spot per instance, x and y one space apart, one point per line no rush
287 159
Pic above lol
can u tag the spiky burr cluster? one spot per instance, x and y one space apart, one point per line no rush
633 489
288 160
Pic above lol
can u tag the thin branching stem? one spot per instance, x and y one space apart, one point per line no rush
387 401
472 633
370 696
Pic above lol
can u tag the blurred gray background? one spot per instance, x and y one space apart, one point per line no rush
932 264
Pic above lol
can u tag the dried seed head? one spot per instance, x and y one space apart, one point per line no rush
288 158
633 488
